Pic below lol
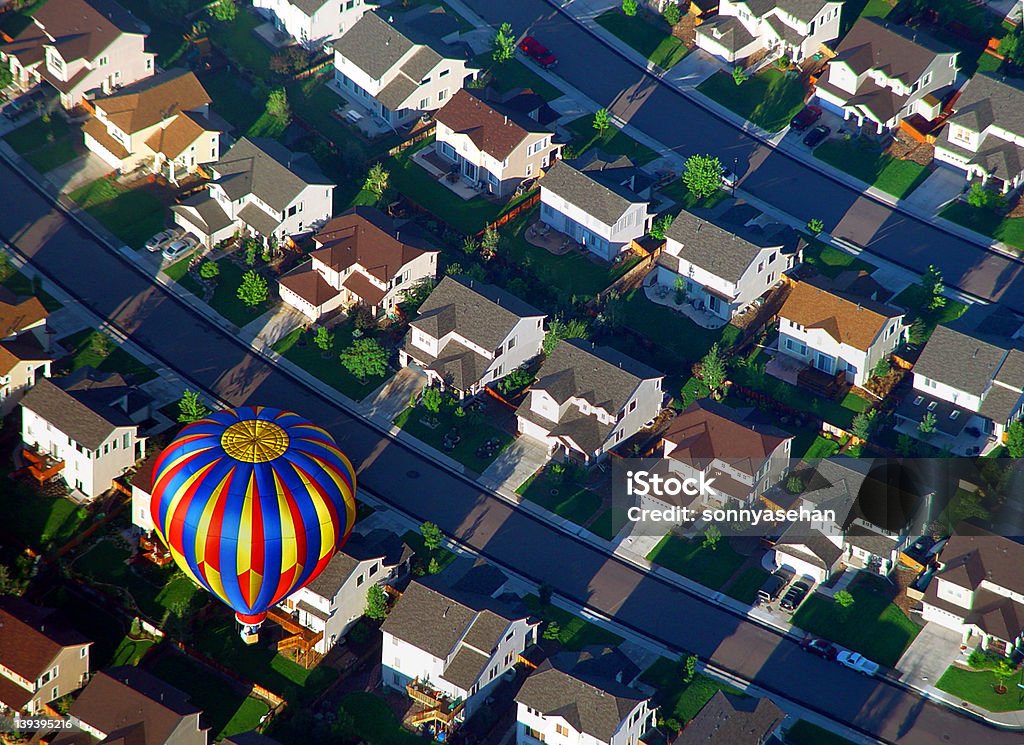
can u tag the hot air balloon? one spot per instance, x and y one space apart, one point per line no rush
252 504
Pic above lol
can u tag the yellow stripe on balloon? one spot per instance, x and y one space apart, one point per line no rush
289 546
206 520
255 581
244 546
215 582
182 491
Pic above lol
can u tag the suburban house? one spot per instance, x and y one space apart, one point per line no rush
736 720
744 459
973 389
261 188
82 48
127 704
162 123
24 347
839 335
603 205
448 653
785 28
979 591
312 23
83 428
723 271
883 73
398 66
587 400
361 257
249 738
985 135
41 659
331 604
468 334
565 703
491 147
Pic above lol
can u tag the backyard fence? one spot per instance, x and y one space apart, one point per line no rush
416 139
312 71
254 688
85 534
527 204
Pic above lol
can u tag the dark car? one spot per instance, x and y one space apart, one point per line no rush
821 648
774 585
807 116
817 135
796 594
538 52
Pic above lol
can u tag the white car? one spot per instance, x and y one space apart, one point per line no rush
159 241
729 179
856 661
179 248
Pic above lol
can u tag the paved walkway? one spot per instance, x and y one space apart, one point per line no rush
515 464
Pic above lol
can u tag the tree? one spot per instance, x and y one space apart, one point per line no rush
927 424
503 47
251 248
558 329
417 293
544 592
432 535
712 535
883 368
323 338
7 584
378 178
679 285
224 11
191 408
433 566
845 600
630 7
702 175
254 289
432 400
365 358
602 120
661 225
6 77
1015 440
290 60
712 369
101 344
918 333
1003 670
738 76
904 444
376 603
980 197
933 287
515 381
672 14
489 243
552 631
470 246
209 269
689 668
815 226
862 424
277 106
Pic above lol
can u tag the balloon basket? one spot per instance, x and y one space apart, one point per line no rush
250 637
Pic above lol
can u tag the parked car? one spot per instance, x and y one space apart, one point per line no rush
794 596
538 52
159 241
179 248
16 109
729 179
807 116
774 585
857 661
821 648
817 135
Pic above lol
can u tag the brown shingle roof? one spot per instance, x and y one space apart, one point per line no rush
856 323
364 236
970 559
495 133
17 314
30 638
175 137
309 285
358 284
98 131
153 100
23 349
84 28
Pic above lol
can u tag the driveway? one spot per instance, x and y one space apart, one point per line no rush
928 656
939 189
515 464
78 172
392 398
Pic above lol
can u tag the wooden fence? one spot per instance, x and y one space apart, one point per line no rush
527 204
416 139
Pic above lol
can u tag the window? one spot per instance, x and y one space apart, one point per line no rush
83 651
106 448
442 95
773 256
529 169
442 73
632 405
918 400
955 414
292 210
425 102
509 636
359 580
511 342
760 266
103 61
932 405
562 730
127 435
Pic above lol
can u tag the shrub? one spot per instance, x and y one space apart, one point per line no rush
672 14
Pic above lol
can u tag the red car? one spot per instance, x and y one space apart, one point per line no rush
538 52
807 116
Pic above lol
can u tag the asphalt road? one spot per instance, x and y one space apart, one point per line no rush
783 181
211 357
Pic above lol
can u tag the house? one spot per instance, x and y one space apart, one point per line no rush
141 483
744 459
883 73
80 47
331 604
979 591
973 388
736 720
361 257
24 347
468 334
603 205
128 705
84 428
312 23
564 702
448 653
985 135
261 188
838 334
162 123
724 270
785 28
41 659
249 738
398 66
587 400
492 147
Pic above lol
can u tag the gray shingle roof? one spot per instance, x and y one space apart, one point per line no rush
85 418
903 53
726 31
604 201
465 668
964 362
377 544
208 212
732 720
805 542
268 170
601 375
987 100
805 10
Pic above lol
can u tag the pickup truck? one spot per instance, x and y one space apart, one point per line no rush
774 585
857 661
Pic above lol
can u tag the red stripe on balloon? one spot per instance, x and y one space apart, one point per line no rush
257 557
213 531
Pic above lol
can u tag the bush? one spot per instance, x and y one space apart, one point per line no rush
630 7
209 269
672 14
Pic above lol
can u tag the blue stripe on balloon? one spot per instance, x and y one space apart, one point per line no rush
270 569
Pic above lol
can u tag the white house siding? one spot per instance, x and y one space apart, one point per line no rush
528 334
533 728
799 566
329 21
806 344
603 240
141 514
16 383
126 61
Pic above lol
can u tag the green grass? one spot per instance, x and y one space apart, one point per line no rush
514 74
166 32
40 522
744 588
575 633
238 42
612 141
676 191
443 556
133 215
914 299
571 501
375 722
313 102
978 688
83 353
653 40
769 99
805 733
831 261
874 626
989 63
1008 230
866 161
690 558
131 651
46 145
474 433
225 293
608 523
822 447
681 701
328 368
235 101
22 286
673 331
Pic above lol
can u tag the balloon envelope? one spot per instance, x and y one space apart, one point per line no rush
252 504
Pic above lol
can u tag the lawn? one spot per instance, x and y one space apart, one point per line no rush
805 733
238 42
41 522
313 102
672 330
375 722
47 144
978 688
131 651
133 215
22 286
866 161
744 588
1008 230
831 261
298 347
569 500
711 567
914 298
654 40
166 32
612 141
473 430
676 191
86 350
225 292
414 540
769 99
682 700
608 523
574 633
874 626
514 74
822 447
99 623
236 101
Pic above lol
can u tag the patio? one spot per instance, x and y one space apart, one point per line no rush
540 234
442 170
358 116
662 295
